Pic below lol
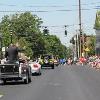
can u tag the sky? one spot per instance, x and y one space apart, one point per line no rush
56 14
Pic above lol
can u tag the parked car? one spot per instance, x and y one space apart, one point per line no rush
47 61
35 68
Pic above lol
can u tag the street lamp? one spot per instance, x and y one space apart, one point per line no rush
1 44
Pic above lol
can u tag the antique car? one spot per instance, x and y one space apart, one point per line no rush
47 61
15 71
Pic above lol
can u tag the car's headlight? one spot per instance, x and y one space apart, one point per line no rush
51 61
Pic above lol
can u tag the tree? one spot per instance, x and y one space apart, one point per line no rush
91 44
22 26
97 21
26 31
54 46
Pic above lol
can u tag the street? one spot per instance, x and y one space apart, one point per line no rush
63 83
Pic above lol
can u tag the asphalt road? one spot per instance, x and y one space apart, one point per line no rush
62 83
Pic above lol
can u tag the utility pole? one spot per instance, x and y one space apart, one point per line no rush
77 42
80 27
75 46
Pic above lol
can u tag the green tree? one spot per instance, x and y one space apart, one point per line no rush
22 26
25 29
54 46
91 45
97 21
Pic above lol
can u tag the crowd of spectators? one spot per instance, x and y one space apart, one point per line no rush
94 61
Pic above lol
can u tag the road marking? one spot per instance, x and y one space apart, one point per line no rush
1 96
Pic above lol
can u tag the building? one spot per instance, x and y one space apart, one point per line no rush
97 31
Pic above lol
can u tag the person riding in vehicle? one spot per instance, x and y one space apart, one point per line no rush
11 53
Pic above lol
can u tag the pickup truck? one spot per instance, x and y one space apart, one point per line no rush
15 71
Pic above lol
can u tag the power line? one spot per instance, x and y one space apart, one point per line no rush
87 4
51 6
59 26
23 11
31 6
62 26
60 10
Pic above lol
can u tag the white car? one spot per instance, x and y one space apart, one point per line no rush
35 68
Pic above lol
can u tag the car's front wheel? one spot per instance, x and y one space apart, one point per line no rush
4 82
40 72
53 66
29 79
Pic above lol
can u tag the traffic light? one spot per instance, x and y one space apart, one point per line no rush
45 31
66 32
72 40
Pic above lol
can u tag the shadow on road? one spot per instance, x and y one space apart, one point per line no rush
46 68
13 83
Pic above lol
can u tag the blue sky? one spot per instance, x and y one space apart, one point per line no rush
57 18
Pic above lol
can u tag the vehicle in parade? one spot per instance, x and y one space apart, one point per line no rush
47 61
56 62
35 67
15 71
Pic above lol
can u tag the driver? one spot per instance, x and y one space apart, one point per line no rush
11 53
